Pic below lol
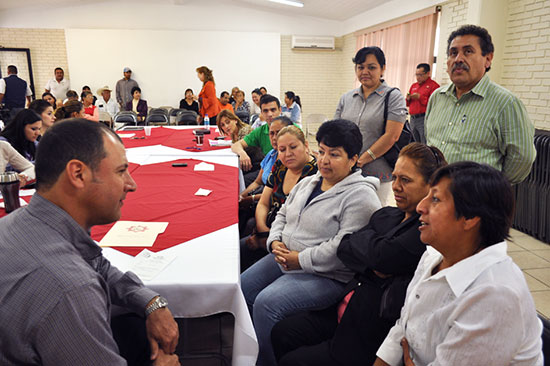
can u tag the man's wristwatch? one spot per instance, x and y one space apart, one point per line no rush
159 302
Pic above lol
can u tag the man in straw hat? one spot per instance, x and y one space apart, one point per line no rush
105 103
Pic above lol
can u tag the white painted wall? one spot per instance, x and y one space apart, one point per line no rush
206 15
164 62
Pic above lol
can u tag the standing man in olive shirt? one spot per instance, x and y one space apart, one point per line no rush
124 88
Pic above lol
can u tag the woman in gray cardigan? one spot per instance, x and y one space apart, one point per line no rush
303 271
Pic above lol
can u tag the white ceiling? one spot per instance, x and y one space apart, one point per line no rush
338 10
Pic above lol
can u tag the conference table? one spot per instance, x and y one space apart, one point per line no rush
202 231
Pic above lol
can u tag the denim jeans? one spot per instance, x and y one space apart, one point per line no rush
272 295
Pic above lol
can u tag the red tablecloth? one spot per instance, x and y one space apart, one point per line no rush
183 139
167 193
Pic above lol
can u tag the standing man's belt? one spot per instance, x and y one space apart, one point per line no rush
418 115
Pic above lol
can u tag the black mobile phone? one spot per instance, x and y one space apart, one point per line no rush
179 164
220 137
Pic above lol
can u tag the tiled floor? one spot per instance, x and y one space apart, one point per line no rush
533 257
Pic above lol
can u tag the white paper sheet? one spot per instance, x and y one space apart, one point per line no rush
147 265
133 234
204 167
26 192
126 135
203 192
219 142
22 203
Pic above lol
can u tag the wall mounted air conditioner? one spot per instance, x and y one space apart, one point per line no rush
312 42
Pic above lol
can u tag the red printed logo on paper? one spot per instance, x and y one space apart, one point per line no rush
138 228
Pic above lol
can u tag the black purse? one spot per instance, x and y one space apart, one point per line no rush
404 139
272 214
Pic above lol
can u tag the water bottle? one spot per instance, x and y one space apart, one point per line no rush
206 121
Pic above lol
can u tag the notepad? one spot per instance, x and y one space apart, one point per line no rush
133 234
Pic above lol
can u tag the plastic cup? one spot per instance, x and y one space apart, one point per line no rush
147 130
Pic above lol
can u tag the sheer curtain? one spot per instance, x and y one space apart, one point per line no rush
405 46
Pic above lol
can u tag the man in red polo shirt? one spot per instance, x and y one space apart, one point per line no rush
417 100
224 102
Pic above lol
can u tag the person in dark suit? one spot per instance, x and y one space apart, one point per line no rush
137 104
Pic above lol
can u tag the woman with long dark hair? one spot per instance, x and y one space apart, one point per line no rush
22 133
45 111
293 107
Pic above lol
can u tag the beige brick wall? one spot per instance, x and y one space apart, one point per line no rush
319 77
48 51
526 59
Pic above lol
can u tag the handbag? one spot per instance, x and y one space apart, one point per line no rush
272 214
404 139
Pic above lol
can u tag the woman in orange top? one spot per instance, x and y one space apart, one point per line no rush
207 96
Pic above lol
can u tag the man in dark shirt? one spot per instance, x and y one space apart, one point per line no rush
56 288
14 91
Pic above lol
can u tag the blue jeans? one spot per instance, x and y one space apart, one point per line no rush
272 295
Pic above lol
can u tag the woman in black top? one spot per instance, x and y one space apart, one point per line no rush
384 255
189 102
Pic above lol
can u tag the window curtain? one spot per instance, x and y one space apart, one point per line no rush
405 46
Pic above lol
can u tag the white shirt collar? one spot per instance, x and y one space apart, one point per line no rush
462 274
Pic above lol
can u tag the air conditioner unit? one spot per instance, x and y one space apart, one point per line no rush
312 42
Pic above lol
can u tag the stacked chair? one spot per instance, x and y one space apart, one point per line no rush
533 196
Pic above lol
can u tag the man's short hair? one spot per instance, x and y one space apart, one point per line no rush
268 98
12 69
74 138
224 93
480 190
485 41
58 68
426 67
71 94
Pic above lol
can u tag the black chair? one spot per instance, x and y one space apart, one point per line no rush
173 114
157 116
126 117
186 117
545 339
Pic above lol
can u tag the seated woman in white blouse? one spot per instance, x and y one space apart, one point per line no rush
10 157
468 303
